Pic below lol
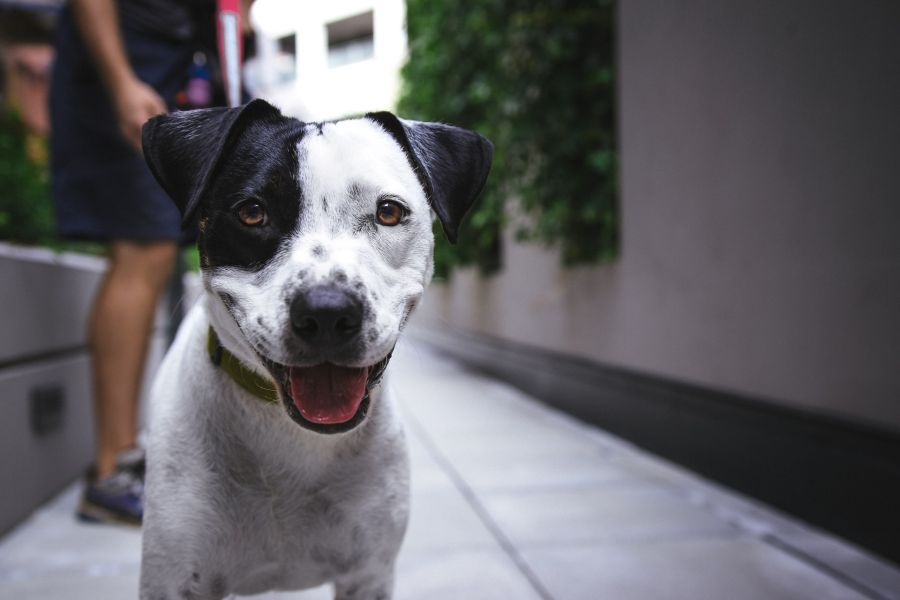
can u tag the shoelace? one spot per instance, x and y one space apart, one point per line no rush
121 481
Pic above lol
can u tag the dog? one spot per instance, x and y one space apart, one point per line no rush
276 459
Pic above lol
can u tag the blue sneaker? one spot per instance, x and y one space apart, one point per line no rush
118 497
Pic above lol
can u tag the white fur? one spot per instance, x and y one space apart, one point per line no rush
240 499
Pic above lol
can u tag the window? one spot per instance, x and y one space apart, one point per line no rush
288 44
351 40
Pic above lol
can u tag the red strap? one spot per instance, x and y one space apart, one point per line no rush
228 22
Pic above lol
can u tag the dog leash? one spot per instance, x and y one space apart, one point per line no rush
248 379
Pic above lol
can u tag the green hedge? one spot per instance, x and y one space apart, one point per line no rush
26 211
537 79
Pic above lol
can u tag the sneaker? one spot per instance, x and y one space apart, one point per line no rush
118 497
132 460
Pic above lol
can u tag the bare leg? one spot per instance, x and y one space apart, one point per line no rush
119 332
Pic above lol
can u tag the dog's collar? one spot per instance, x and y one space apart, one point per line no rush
249 380
256 384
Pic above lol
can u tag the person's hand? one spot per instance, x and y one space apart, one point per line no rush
135 103
246 5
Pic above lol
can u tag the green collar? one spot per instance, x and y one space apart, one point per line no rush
250 380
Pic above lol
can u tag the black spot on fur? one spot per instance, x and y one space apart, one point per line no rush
354 192
211 161
252 174
227 300
365 224
318 251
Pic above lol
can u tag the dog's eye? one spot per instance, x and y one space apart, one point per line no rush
252 214
389 213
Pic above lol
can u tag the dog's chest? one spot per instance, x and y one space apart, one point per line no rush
304 530
303 546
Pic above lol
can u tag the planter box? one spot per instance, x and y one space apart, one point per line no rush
46 433
36 462
45 299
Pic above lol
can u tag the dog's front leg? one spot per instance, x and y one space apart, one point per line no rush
365 587
160 582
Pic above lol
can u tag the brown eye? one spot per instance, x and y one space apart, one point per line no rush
252 214
389 213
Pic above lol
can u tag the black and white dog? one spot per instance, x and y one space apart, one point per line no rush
276 460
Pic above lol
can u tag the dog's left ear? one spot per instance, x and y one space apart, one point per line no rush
183 149
452 164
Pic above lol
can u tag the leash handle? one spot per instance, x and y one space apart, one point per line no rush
228 21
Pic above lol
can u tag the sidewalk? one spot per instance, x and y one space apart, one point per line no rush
515 501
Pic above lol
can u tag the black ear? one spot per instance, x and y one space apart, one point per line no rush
452 164
184 148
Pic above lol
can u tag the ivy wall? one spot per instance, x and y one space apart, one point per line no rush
537 79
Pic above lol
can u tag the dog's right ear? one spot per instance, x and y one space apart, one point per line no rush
183 149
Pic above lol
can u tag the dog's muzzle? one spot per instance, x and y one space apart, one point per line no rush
327 398
322 393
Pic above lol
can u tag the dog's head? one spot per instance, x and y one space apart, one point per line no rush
315 238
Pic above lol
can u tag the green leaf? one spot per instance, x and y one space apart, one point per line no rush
535 78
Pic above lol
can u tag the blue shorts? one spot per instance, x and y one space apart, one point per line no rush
102 188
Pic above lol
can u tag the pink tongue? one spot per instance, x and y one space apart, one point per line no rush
328 394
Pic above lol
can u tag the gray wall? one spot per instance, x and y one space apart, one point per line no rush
45 299
760 212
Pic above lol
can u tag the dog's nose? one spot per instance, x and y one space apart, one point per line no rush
326 315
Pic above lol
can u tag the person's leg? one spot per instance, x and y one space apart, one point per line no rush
119 333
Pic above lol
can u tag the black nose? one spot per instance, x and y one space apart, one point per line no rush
326 315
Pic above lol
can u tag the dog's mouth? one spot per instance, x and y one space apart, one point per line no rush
327 398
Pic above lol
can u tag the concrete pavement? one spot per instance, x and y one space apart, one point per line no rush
513 500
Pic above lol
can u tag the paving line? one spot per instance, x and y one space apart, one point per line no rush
460 483
825 568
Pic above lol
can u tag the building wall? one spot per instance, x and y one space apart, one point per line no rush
325 92
760 212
